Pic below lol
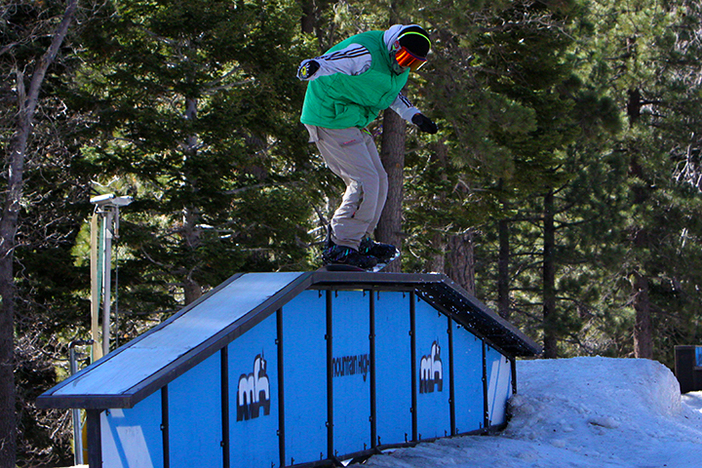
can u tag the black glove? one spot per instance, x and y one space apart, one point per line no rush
307 69
424 123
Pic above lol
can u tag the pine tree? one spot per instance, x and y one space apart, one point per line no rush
505 84
649 63
197 105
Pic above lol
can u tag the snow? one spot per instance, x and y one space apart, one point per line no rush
588 412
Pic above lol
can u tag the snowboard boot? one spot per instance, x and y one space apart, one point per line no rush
338 254
385 253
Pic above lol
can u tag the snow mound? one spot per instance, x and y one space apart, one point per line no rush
581 413
593 394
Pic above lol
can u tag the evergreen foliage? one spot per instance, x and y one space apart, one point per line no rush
568 162
196 108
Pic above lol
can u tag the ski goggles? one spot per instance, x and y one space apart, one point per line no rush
407 59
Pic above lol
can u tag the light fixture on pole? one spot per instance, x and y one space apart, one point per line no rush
104 228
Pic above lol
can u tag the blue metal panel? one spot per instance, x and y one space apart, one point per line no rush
433 408
195 416
131 438
351 371
468 380
499 374
304 327
393 368
253 402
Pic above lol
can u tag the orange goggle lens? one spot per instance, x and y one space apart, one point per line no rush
405 58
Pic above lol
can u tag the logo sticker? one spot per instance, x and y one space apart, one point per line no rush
254 392
431 373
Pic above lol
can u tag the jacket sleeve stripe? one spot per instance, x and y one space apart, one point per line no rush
356 51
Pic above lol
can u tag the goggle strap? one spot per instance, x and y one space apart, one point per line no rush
414 32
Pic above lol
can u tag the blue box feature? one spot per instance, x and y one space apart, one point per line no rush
468 375
499 375
351 372
305 378
253 397
279 369
131 437
433 376
195 423
393 368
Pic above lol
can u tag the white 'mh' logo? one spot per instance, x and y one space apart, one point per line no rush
254 392
431 371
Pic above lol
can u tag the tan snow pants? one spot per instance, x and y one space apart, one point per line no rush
351 154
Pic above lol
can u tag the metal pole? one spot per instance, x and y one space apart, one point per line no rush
77 425
106 300
77 437
95 283
115 235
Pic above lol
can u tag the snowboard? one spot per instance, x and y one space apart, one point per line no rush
345 267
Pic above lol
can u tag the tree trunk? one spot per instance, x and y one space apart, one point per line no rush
27 103
311 12
436 263
643 330
8 421
392 153
549 278
192 290
308 20
191 215
503 261
633 106
461 261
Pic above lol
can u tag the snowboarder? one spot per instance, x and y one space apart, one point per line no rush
348 87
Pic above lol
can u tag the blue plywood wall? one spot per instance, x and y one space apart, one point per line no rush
331 374
305 378
394 362
274 370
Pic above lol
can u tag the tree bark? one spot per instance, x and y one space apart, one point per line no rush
191 215
8 421
311 12
436 263
437 260
308 20
503 261
27 100
643 330
549 279
192 290
392 154
461 261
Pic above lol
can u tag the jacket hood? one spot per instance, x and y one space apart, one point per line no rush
393 32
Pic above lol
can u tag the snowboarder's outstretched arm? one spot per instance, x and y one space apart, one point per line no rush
353 60
407 111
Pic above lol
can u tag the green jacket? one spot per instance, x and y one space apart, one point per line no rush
344 101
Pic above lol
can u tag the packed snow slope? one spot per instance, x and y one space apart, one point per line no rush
579 413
